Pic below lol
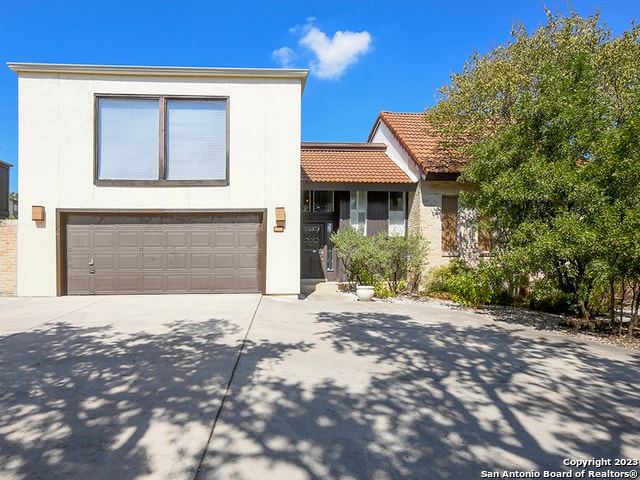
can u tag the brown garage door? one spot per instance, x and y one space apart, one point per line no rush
163 253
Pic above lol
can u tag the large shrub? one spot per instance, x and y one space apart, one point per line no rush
461 283
390 263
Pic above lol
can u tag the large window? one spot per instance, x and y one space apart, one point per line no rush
161 140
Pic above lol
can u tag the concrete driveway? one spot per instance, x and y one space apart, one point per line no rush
219 387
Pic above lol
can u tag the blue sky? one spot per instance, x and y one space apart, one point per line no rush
364 56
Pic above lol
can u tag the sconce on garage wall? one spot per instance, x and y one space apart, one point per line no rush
37 213
281 220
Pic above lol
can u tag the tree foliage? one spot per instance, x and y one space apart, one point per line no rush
551 123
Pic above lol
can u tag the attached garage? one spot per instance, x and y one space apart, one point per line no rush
154 253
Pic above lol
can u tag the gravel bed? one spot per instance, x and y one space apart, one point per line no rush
520 316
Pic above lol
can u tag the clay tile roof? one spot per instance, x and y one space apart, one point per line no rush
421 142
349 163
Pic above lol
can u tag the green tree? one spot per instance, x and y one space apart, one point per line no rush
550 122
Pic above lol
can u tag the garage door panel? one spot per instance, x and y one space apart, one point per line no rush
177 261
200 260
103 261
153 261
129 261
106 284
224 260
80 239
177 283
129 239
224 239
153 239
80 284
178 239
201 282
129 283
249 260
200 239
164 253
106 240
247 239
153 283
79 261
247 282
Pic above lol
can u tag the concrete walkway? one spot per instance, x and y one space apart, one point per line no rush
219 387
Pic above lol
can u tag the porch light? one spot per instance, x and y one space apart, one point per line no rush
37 213
281 220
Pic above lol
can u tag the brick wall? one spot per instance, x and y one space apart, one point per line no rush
8 257
425 217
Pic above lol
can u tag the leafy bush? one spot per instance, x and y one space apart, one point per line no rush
389 263
462 284
547 297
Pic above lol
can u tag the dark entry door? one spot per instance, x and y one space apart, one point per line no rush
313 245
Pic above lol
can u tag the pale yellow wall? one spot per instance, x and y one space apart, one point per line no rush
56 118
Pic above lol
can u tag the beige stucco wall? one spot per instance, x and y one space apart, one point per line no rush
56 155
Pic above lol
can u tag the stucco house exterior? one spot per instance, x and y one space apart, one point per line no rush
158 179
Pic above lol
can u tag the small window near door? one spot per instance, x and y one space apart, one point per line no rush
397 214
317 201
323 201
358 211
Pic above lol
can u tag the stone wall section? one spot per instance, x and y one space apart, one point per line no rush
425 218
8 257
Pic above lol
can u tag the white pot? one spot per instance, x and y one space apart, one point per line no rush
364 292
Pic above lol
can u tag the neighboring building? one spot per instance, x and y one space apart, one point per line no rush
348 184
158 179
5 204
13 207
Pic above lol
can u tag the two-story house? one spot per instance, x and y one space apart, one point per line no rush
158 179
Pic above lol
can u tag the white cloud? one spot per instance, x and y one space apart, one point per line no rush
330 57
334 55
284 56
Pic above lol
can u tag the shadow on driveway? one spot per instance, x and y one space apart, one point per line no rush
386 395
107 392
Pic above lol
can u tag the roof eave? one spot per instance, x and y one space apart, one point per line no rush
159 71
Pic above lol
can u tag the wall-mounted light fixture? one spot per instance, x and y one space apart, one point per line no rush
37 213
281 220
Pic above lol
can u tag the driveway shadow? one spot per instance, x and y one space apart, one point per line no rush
388 396
91 402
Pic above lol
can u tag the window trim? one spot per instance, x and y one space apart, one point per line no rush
312 201
404 214
363 209
162 147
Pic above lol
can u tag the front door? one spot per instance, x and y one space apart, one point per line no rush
313 245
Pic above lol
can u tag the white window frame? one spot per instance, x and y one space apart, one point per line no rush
398 229
358 210
162 178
